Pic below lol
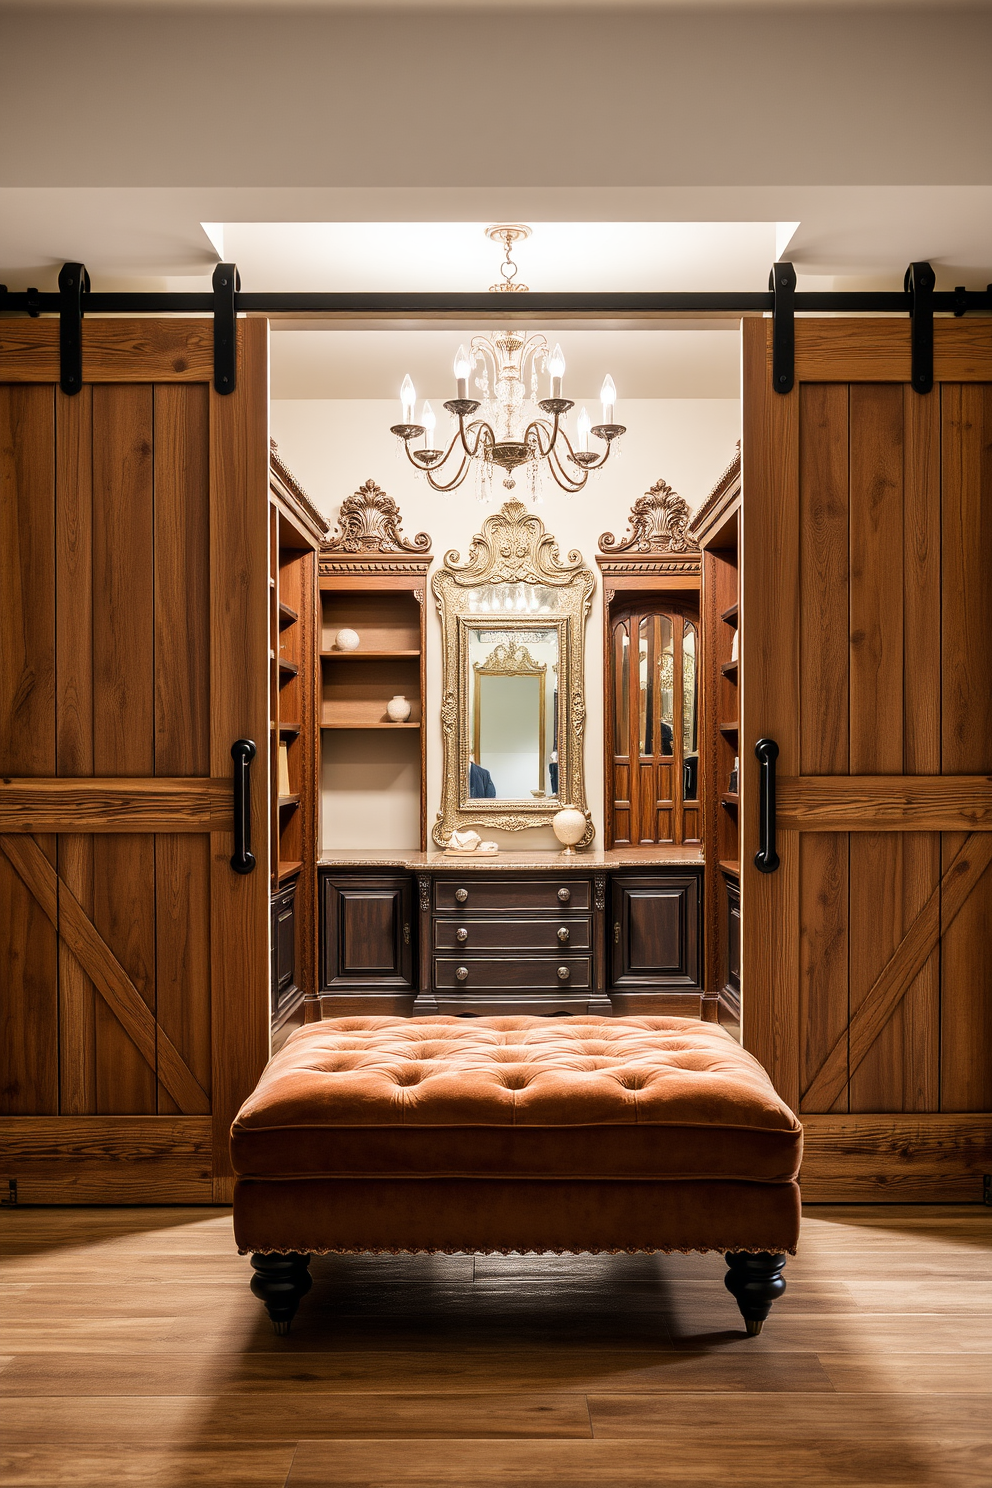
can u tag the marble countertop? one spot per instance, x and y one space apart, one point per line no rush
584 862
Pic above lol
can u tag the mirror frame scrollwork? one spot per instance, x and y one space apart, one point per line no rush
513 547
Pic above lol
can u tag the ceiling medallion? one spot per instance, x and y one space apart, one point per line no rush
510 432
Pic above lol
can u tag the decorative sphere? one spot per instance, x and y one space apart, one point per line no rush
569 826
347 640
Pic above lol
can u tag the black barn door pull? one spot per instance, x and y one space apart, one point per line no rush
766 859
242 752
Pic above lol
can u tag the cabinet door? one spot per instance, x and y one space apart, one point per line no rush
367 933
733 938
655 931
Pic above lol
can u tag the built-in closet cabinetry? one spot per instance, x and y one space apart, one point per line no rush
716 529
296 530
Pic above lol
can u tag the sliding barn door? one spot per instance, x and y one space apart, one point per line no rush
866 624
133 653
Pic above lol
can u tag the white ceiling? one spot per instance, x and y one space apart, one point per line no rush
673 362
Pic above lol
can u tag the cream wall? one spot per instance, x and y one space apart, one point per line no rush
334 446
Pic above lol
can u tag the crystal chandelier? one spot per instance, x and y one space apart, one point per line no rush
515 429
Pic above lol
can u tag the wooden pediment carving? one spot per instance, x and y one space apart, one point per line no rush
369 522
659 523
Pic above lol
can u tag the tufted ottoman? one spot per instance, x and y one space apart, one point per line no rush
515 1134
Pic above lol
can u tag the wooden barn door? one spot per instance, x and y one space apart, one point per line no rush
866 627
133 653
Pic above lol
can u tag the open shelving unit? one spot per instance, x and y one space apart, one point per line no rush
716 527
372 581
296 530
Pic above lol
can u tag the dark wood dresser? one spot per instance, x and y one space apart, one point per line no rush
534 933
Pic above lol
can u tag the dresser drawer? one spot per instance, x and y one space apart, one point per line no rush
522 973
555 933
482 891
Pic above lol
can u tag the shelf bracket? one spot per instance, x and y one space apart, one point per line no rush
226 283
74 282
782 283
919 285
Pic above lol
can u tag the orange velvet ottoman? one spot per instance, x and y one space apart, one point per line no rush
515 1134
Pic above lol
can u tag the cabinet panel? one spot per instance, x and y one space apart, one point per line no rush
477 892
521 973
655 931
367 932
733 984
500 933
283 946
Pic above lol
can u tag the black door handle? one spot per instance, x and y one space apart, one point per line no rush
242 752
766 859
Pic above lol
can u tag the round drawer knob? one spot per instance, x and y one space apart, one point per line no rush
563 933
564 895
461 895
563 973
461 933
461 972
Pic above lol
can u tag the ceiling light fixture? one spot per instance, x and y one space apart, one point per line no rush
509 434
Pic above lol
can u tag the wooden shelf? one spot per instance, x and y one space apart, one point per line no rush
729 798
392 726
287 615
285 802
289 668
364 655
287 870
730 614
288 728
729 728
731 866
729 669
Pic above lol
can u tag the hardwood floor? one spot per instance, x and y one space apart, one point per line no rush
133 1353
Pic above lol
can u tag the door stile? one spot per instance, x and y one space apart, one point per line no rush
239 642
769 708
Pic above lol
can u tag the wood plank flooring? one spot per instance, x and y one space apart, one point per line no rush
132 1353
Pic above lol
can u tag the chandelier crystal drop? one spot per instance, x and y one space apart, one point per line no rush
509 426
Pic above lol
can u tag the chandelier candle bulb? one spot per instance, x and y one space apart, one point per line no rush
408 397
430 424
556 366
583 426
462 369
608 398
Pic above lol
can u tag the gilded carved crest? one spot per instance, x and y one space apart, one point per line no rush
369 522
659 523
512 548
511 660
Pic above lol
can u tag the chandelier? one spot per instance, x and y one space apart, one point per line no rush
515 431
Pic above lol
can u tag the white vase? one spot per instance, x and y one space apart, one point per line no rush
398 709
569 826
347 640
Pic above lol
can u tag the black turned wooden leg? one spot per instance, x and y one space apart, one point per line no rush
756 1282
280 1281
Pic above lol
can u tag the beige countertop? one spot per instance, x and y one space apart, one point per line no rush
593 858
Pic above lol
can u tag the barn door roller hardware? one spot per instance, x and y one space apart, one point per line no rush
226 283
782 283
74 282
919 284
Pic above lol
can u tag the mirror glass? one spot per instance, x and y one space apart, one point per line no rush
690 714
513 700
656 661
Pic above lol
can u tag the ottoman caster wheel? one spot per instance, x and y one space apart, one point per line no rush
280 1281
756 1282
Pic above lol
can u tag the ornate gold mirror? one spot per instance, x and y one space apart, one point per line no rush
513 700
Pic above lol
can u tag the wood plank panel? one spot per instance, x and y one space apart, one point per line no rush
124 714
182 958
28 949
239 573
966 700
889 803
823 702
115 350
101 1159
74 739
171 804
853 350
924 1158
769 707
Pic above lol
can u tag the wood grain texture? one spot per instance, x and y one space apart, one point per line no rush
74 582
239 910
115 805
885 803
966 742
853 349
182 965
906 1159
118 1159
114 350
479 1372
77 994
769 708
121 997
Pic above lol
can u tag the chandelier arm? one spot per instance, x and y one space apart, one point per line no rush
599 463
567 482
538 427
456 480
483 435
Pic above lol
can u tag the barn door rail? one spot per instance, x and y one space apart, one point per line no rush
919 301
